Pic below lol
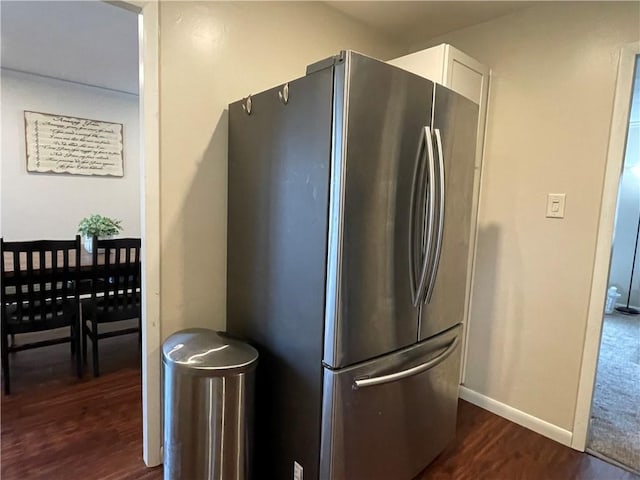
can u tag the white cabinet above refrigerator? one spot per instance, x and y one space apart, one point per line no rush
450 67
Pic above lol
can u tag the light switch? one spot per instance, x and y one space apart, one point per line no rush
555 205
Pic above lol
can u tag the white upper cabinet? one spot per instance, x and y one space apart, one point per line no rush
450 67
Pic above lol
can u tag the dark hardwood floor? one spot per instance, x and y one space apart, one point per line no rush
56 427
488 447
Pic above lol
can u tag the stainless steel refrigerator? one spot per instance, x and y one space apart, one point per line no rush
349 209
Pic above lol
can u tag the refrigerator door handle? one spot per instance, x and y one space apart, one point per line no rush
431 196
394 377
425 149
440 231
417 175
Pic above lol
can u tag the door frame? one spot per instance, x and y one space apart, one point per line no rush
149 114
602 261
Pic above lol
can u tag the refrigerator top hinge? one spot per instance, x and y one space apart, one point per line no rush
326 63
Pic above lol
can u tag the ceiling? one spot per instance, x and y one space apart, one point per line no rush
96 43
89 42
418 21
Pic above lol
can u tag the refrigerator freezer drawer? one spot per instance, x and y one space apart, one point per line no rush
390 417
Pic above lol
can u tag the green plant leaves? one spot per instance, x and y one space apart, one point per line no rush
99 226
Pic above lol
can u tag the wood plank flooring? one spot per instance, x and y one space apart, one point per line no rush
56 427
488 447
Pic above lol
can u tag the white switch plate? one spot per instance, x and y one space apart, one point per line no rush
555 205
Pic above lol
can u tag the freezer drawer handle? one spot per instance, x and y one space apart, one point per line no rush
393 377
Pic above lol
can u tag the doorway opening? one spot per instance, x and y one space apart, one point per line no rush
94 76
615 411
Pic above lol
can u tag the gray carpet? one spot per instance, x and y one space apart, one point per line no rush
615 414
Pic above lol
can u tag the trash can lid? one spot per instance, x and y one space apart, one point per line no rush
207 350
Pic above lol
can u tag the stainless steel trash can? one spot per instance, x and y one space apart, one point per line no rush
208 406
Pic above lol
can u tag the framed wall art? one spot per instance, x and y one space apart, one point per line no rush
72 145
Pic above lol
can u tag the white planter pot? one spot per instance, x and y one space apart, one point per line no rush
88 242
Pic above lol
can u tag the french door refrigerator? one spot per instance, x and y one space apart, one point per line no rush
349 209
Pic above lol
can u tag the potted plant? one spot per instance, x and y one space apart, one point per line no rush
97 226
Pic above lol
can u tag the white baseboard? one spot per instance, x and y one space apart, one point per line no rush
524 419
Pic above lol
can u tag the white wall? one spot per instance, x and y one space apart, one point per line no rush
624 239
211 54
36 206
554 72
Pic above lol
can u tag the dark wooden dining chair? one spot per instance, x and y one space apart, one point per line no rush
39 292
115 292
